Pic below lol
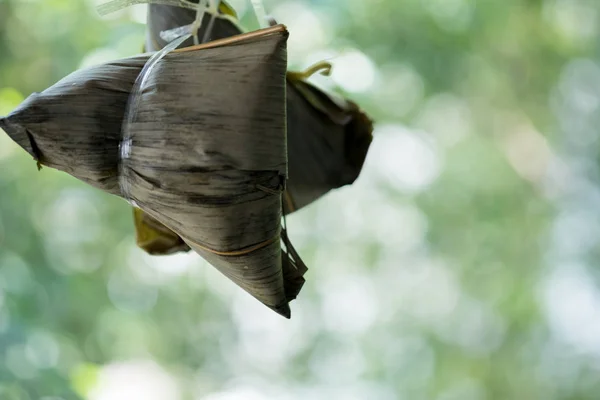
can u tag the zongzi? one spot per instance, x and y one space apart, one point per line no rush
205 159
328 138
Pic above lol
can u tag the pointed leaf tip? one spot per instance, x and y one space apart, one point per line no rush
20 136
283 310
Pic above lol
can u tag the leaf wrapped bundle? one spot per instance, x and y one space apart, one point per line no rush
207 160
328 137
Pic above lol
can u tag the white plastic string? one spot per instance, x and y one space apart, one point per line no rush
132 108
172 34
214 11
261 14
200 11
116 5
204 6
212 8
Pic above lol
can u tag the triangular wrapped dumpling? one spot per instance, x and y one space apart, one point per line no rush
328 138
207 152
214 167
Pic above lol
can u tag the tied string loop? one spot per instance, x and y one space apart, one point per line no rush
287 197
268 190
241 252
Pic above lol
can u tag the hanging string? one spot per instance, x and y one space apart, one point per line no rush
117 5
214 11
195 26
261 14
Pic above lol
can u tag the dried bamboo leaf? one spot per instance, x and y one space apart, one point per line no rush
75 125
208 161
323 155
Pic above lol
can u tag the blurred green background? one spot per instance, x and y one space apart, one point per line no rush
462 265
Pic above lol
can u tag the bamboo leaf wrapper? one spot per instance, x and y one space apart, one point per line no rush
208 160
